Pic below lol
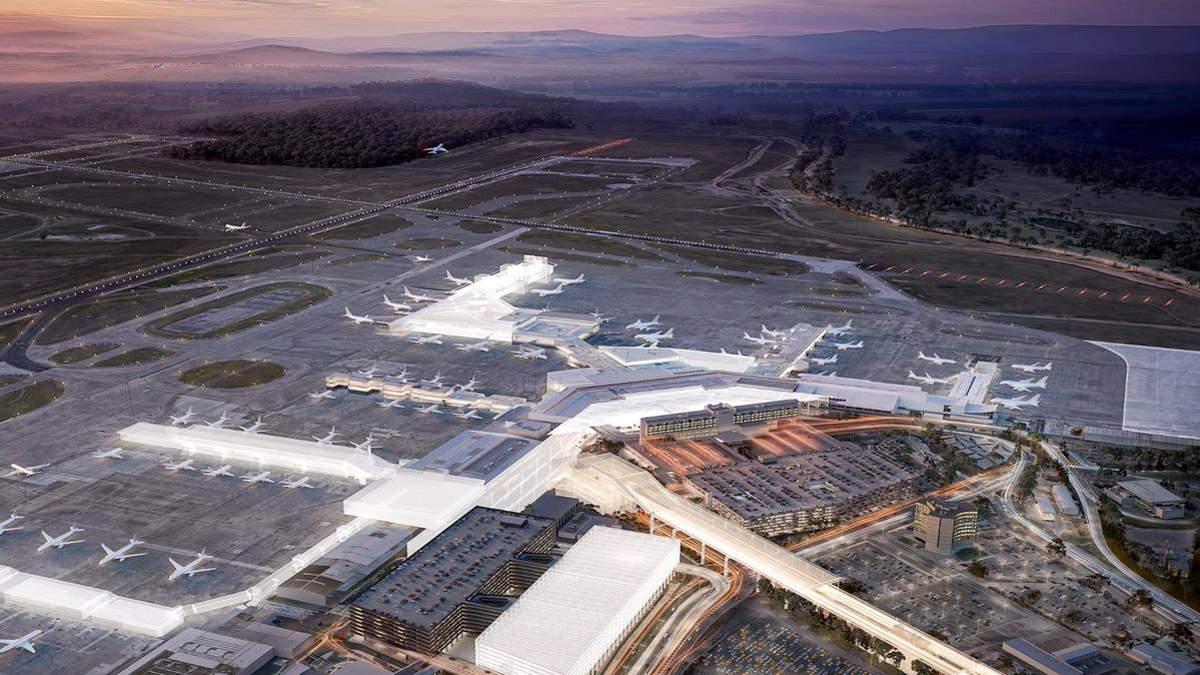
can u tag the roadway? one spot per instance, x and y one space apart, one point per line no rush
609 473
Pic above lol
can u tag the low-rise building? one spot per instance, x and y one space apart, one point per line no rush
1163 661
945 527
199 652
1065 500
1039 659
1044 508
1149 496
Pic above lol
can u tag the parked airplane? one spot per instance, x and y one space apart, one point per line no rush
402 375
358 320
655 337
185 465
396 306
190 569
218 423
237 228
122 554
570 281
426 339
1032 367
260 477
470 385
839 330
327 438
1019 402
12 518
61 540
324 393
935 359
429 409
253 428
598 316
543 292
643 325
434 381
184 418
824 362
438 149
217 471
773 333
418 297
457 281
115 453
298 483
1026 384
365 445
391 403
24 642
758 340
928 379
528 353
480 346
471 414
18 470
421 258
848 345
368 372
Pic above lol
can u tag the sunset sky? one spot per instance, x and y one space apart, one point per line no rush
328 18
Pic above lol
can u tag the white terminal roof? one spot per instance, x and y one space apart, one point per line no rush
578 610
263 450
629 410
63 598
416 498
634 357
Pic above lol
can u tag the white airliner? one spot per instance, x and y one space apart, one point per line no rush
421 258
367 372
327 438
438 149
18 470
391 403
24 642
655 337
1026 384
365 445
928 379
122 554
217 471
418 297
457 281
184 418
543 292
839 330
570 281
935 359
260 477
298 483
470 385
318 395
61 540
190 569
471 414
185 465
396 306
253 428
358 320
1032 367
237 228
773 333
757 340
426 339
115 453
643 325
824 362
12 518
401 376
598 316
480 346
432 409
848 345
434 381
527 353
1019 402
218 423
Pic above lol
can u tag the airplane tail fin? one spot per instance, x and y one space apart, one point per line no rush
1035 400
670 333
655 319
912 374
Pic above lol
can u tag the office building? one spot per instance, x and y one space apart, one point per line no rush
1148 496
945 527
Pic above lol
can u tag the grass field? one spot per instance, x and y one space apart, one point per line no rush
722 278
11 378
374 226
737 262
29 398
254 263
141 197
359 258
89 318
313 294
479 226
582 242
82 352
232 374
134 357
427 244
522 184
9 331
538 208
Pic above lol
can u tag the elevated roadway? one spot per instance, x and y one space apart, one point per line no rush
640 489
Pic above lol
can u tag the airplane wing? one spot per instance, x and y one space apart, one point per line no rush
107 550
174 564
202 569
49 539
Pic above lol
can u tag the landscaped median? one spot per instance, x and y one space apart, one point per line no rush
233 374
220 317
